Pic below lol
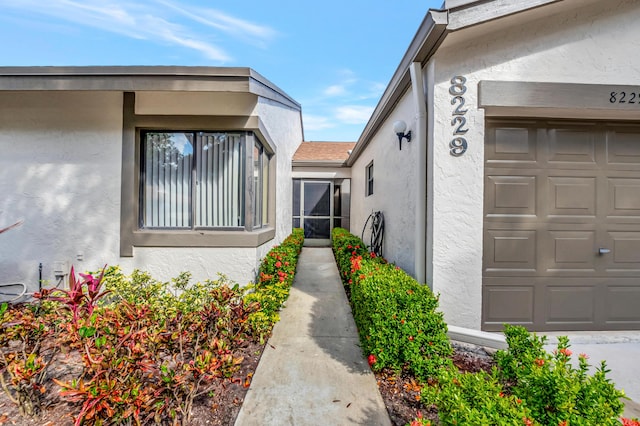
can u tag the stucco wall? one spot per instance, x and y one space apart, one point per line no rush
590 45
395 174
60 172
285 128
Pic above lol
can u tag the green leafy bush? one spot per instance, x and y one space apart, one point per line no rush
275 277
147 358
475 399
149 349
555 390
396 316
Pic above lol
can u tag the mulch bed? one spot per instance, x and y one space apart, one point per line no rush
401 392
219 409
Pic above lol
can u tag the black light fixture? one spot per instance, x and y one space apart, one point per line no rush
398 128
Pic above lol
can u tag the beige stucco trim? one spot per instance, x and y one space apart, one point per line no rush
561 100
130 233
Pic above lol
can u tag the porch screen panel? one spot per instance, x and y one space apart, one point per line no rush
220 180
167 180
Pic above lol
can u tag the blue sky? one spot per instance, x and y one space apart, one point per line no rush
334 57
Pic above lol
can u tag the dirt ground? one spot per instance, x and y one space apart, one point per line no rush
220 409
401 393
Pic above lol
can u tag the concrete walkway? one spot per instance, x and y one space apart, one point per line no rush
312 370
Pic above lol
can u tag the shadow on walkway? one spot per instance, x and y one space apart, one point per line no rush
313 371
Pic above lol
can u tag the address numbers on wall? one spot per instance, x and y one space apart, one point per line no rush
458 144
624 98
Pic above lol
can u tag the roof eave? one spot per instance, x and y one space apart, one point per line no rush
429 36
143 78
481 11
432 32
318 163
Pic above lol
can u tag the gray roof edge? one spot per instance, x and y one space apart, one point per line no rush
431 33
124 70
465 14
258 84
425 42
267 83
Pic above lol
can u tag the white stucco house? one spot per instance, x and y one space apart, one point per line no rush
518 196
504 155
166 169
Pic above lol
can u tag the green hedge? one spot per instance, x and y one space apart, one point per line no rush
396 316
529 386
275 277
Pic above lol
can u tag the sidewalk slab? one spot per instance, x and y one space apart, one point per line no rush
312 370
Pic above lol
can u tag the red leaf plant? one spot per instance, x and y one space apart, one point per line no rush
75 298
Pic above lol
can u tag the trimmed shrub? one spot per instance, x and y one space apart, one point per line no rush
557 392
475 399
275 277
396 316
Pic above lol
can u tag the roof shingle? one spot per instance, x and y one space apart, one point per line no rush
323 151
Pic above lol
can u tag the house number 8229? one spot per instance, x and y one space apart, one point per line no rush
458 144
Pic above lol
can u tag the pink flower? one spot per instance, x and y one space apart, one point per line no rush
539 362
565 351
278 264
583 356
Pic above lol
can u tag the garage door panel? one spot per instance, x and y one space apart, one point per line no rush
511 195
570 304
569 252
623 148
573 196
510 251
550 206
573 146
508 304
623 197
623 303
513 145
624 255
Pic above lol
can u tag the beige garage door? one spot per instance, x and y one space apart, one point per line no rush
562 225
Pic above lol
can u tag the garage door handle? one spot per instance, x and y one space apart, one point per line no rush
603 250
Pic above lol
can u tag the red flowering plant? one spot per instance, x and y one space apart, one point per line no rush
554 389
275 278
396 316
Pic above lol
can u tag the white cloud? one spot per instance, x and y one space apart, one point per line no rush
316 122
255 33
149 20
335 90
353 114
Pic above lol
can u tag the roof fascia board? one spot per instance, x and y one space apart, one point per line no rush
488 10
318 163
429 36
260 84
131 79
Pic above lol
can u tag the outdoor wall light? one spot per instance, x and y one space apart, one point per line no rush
398 128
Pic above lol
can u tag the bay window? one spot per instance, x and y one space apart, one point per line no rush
202 180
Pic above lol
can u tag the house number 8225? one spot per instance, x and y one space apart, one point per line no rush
458 144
